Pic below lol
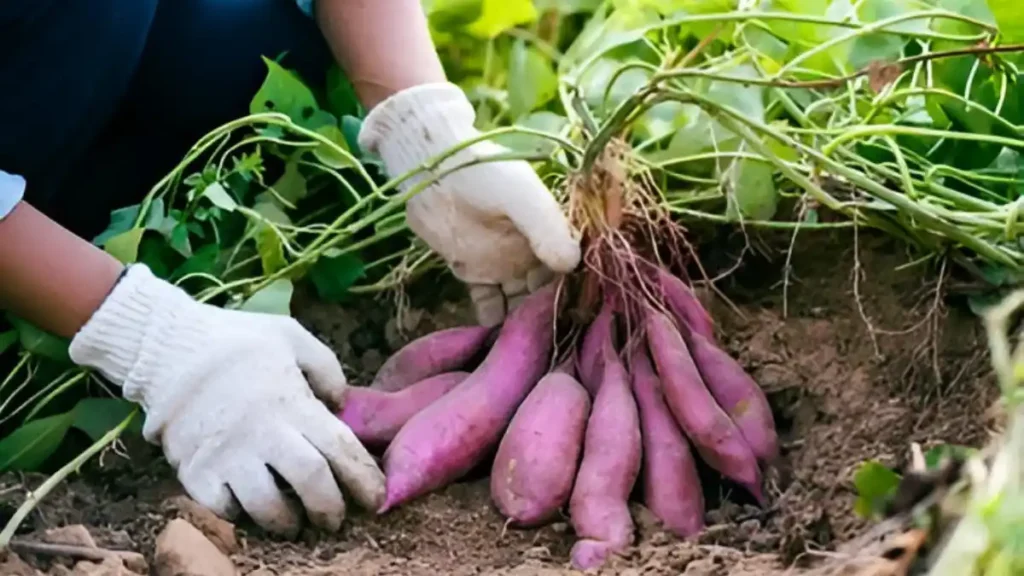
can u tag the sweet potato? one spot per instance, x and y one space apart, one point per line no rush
445 440
671 485
588 362
436 353
684 305
708 427
738 394
534 468
611 464
376 416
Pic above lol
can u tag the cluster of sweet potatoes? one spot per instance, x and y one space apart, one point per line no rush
577 428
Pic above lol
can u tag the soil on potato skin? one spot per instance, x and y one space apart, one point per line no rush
841 396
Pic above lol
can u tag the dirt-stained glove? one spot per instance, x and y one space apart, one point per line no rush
225 396
495 223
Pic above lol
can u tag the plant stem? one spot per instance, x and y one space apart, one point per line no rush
36 496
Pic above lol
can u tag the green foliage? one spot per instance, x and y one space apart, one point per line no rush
875 484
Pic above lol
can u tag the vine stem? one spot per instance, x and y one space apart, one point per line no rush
36 496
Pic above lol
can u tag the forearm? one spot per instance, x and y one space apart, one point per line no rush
48 275
384 46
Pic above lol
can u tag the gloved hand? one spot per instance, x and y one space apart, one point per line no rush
495 223
225 396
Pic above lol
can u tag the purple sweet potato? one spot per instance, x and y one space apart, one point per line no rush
611 464
738 394
535 465
684 305
442 442
671 485
708 427
376 416
436 353
588 362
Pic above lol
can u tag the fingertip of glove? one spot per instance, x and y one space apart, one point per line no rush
488 304
560 254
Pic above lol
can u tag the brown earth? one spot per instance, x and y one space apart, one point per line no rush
842 393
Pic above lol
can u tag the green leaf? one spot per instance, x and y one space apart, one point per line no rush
567 6
532 81
318 119
97 416
875 483
328 155
350 127
179 240
204 261
8 339
664 118
452 13
125 246
158 255
934 456
497 16
123 219
219 196
752 189
270 249
275 298
1010 19
268 243
341 95
28 447
40 342
596 83
282 91
542 121
333 276
292 184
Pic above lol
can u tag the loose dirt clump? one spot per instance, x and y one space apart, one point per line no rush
853 370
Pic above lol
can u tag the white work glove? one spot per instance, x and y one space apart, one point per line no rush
226 398
496 224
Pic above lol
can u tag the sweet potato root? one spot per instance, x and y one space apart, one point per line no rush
671 485
589 362
436 353
713 434
446 439
738 394
611 464
376 416
534 468
685 306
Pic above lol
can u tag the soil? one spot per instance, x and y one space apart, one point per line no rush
854 371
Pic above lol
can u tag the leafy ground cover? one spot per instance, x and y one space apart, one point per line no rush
786 118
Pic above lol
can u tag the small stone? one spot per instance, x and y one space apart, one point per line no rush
75 535
111 566
749 527
560 527
118 539
134 561
219 531
261 572
538 553
182 550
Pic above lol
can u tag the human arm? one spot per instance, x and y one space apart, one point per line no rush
228 395
51 277
384 46
495 223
